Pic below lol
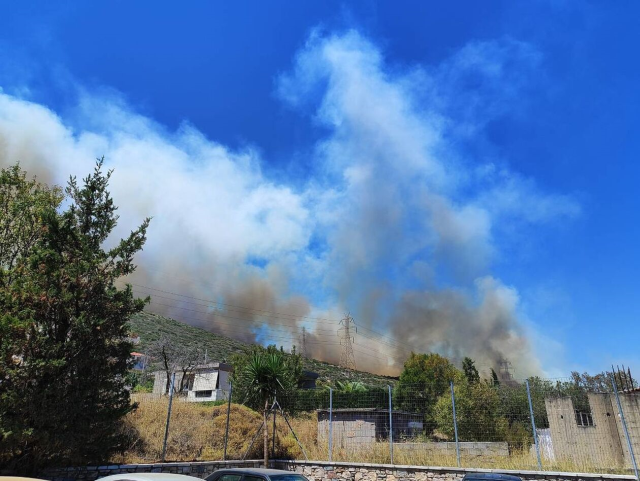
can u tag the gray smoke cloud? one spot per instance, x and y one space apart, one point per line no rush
393 223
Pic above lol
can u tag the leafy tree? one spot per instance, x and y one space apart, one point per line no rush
477 413
470 371
262 376
514 403
64 346
424 379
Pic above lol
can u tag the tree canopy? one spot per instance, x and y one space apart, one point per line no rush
64 344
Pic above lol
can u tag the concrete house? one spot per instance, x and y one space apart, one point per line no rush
206 382
594 437
366 425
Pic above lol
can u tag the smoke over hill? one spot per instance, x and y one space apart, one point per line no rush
391 221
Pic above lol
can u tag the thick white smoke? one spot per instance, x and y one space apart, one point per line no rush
393 224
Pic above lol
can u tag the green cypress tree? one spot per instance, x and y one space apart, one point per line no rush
66 352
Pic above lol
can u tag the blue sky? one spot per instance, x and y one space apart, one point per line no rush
508 125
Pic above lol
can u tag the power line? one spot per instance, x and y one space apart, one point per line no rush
384 339
390 342
233 325
220 314
234 306
289 338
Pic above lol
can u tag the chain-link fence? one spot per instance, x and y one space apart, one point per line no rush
554 425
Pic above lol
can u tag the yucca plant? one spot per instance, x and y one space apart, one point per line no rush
261 377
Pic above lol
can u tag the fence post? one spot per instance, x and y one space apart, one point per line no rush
166 428
624 427
455 423
226 431
273 440
533 427
330 423
390 425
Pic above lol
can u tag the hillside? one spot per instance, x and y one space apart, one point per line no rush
151 327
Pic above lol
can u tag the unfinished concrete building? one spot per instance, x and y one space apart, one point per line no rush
594 437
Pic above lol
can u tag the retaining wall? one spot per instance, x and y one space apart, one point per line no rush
322 471
326 471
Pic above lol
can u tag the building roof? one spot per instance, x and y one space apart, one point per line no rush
218 366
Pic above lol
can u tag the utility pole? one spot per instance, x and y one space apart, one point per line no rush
347 357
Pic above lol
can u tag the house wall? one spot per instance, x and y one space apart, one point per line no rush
349 429
160 382
597 445
204 380
631 408
360 427
604 418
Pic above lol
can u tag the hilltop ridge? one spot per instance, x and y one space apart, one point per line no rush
150 327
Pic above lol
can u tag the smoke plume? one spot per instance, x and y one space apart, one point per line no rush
393 223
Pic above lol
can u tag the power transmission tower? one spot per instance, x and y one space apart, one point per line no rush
303 343
505 369
347 357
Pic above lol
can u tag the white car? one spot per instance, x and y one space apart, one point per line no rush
149 477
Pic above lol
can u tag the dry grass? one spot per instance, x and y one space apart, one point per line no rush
197 433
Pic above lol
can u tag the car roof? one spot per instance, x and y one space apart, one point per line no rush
18 478
492 476
150 477
268 472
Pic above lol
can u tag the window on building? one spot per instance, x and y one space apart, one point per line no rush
204 393
584 418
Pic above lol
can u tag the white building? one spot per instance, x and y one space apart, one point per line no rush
206 382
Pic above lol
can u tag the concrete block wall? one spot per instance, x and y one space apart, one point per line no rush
326 471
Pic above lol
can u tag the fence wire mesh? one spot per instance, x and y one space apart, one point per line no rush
578 426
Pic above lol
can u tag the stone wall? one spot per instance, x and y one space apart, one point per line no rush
325 471
321 471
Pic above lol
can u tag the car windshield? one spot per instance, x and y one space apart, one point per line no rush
288 477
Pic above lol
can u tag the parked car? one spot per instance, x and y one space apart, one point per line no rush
255 474
18 478
490 477
149 477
